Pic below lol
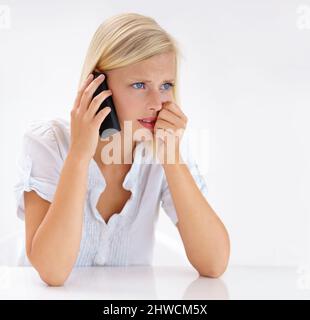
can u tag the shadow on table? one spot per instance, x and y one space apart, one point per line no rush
116 282
144 282
206 289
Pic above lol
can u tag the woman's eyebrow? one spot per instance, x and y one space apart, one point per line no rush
150 81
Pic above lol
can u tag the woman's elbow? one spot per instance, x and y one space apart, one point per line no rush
53 280
52 276
213 270
212 273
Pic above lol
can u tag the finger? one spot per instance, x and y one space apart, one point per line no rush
96 102
89 92
101 115
171 117
163 124
84 85
175 109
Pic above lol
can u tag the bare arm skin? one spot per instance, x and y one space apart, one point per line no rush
204 236
53 230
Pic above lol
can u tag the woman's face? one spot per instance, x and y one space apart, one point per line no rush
138 90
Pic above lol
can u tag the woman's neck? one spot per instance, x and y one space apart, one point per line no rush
122 157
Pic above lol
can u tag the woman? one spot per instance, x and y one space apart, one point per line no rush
82 211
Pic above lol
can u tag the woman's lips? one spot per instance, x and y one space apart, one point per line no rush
148 122
149 125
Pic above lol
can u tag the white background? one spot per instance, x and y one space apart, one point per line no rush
245 80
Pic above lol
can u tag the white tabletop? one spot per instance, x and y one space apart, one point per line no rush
166 282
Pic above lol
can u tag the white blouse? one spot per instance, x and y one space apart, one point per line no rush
128 237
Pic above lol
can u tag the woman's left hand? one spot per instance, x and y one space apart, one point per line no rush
170 126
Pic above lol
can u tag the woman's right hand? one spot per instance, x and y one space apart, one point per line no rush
85 123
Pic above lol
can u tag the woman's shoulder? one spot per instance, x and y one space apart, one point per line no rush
52 133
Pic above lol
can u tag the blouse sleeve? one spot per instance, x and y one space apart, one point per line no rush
166 198
39 165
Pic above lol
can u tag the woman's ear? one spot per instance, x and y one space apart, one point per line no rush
97 70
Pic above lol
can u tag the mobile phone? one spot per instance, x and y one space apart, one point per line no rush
110 125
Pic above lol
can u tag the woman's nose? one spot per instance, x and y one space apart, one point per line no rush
155 102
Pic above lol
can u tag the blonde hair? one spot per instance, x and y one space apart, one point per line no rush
125 39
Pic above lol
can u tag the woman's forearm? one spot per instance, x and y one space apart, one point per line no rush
204 236
56 243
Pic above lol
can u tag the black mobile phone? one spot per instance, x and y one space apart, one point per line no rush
110 125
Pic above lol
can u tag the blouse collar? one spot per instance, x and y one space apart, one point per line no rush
97 184
96 178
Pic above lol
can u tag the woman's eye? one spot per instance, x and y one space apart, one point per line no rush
170 85
138 84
